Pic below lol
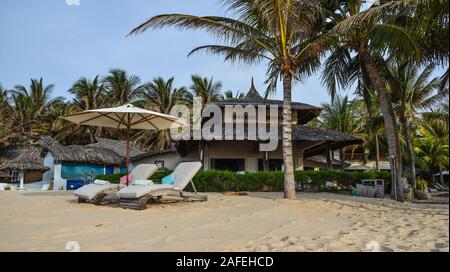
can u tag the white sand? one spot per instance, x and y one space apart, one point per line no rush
46 221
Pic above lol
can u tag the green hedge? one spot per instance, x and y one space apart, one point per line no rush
309 180
115 178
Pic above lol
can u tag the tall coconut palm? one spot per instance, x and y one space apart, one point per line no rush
6 111
122 88
160 95
271 31
339 115
206 89
357 41
38 94
229 95
89 94
31 108
412 91
432 148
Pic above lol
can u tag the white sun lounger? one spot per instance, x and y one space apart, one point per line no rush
137 197
96 192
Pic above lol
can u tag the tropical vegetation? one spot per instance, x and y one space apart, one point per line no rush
387 52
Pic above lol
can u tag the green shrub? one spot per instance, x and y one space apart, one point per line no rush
422 185
115 178
310 180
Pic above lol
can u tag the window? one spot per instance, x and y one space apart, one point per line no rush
234 165
160 164
274 165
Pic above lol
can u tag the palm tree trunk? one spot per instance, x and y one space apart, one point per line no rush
441 176
377 152
433 180
342 155
390 122
289 183
410 151
92 135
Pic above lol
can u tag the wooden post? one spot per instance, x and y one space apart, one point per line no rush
128 148
266 165
329 160
22 180
301 160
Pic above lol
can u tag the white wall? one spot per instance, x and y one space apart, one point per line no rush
171 160
58 181
50 163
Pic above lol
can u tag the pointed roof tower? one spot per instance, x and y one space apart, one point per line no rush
253 94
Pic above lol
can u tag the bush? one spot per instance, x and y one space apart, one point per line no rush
220 181
309 180
115 178
422 185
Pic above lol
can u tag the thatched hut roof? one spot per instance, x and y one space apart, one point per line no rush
117 146
78 153
29 160
308 112
4 175
152 154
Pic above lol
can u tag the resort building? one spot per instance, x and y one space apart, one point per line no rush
312 147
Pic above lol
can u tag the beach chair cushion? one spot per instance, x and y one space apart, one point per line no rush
123 180
134 191
142 182
90 191
101 182
184 173
169 179
143 171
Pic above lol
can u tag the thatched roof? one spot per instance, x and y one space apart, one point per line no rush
152 154
117 146
78 153
4 174
323 138
302 133
308 112
29 160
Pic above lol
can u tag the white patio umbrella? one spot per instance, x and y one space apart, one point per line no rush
126 117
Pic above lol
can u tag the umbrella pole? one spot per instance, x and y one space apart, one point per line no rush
128 153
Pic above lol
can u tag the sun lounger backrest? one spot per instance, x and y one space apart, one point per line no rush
143 171
184 173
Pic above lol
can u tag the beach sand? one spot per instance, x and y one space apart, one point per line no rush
47 221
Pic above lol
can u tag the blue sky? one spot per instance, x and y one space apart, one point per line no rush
61 43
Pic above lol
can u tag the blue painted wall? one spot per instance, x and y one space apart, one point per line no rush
73 170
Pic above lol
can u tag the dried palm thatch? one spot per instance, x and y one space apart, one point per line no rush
78 153
29 160
117 146
4 175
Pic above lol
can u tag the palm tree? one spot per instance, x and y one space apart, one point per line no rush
339 115
412 91
432 149
206 89
122 87
31 107
160 95
229 95
357 41
38 94
89 94
6 111
273 31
